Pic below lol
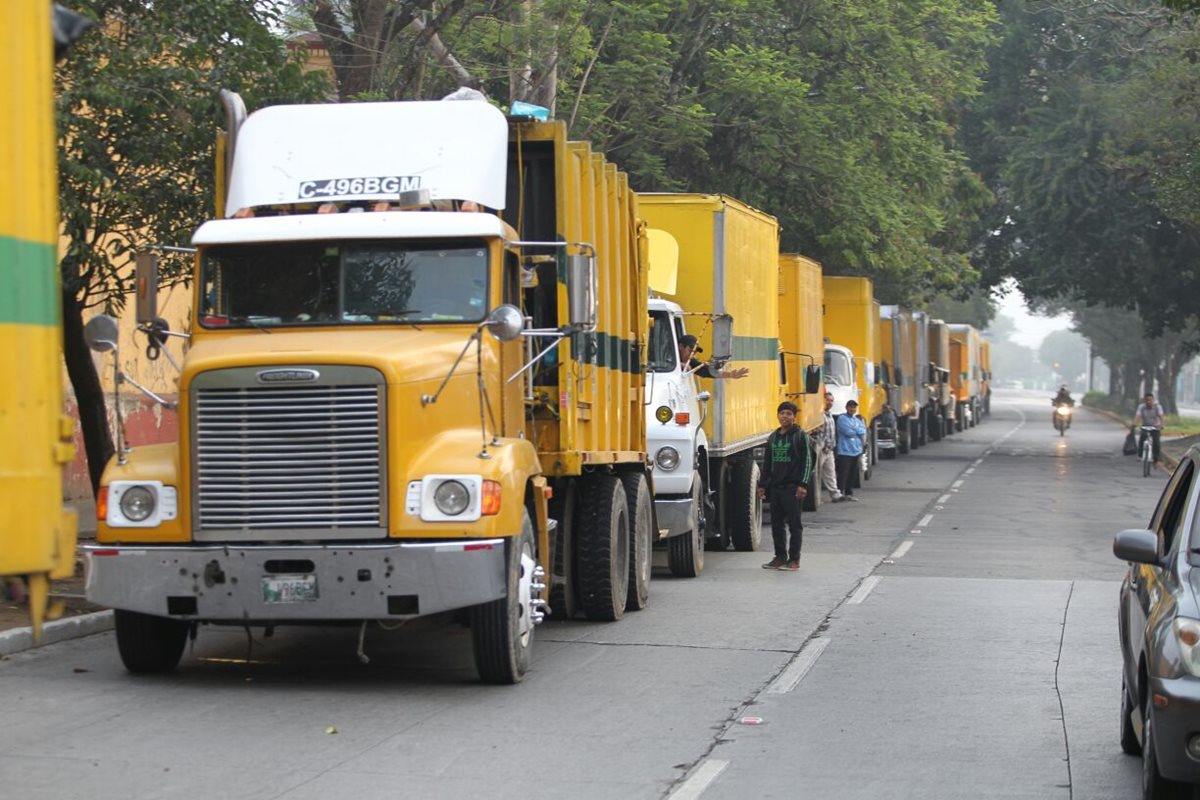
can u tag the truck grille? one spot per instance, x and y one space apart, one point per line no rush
288 460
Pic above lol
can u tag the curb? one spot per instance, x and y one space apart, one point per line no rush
19 640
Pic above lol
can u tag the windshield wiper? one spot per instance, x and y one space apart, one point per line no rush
251 322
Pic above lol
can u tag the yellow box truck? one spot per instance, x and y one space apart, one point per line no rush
985 376
802 346
902 375
37 534
939 365
727 266
965 374
414 385
852 357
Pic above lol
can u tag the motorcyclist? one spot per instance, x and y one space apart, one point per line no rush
1063 398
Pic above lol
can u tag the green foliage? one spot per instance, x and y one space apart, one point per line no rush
138 115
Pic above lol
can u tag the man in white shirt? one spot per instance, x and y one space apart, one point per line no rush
826 454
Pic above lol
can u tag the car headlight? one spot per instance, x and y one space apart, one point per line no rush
137 503
663 414
1187 633
667 458
451 498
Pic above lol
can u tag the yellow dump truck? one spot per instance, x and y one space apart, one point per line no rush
939 366
852 359
985 376
898 332
801 340
965 374
728 266
414 385
37 535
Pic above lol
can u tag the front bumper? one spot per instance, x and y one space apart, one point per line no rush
227 583
674 515
1174 724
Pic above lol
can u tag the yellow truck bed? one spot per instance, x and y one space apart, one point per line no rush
800 333
852 321
729 263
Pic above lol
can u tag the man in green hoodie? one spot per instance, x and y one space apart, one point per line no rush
786 469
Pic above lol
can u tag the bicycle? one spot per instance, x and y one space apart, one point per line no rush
1148 450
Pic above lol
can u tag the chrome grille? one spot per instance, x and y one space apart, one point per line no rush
288 461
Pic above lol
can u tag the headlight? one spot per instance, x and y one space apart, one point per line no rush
1187 633
663 414
451 498
137 503
667 458
1064 411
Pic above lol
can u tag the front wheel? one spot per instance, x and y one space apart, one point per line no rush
1154 785
502 630
149 645
1129 740
1146 466
685 553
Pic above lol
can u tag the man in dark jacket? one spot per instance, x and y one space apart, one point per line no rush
786 469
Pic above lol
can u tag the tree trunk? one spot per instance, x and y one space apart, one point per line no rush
89 394
1114 379
1131 384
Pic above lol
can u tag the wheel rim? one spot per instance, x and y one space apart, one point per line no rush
525 595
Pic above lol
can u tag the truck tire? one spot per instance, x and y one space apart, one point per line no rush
903 429
641 538
149 645
685 553
602 548
564 590
502 630
716 523
745 508
922 429
935 426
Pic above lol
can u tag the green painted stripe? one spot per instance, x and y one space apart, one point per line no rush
28 293
606 350
755 348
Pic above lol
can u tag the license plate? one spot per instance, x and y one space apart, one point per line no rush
289 588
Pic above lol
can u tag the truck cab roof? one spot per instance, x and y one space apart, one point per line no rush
366 225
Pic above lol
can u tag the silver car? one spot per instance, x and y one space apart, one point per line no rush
1160 639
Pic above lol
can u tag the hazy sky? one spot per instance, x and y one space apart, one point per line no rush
1030 329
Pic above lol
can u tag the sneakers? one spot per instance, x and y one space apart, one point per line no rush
775 563
792 566
837 498
849 498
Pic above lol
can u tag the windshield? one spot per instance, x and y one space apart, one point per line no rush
837 368
663 354
324 283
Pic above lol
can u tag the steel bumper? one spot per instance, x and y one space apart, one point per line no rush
353 581
1174 724
674 515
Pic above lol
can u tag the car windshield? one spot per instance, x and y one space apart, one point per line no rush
663 354
837 368
340 283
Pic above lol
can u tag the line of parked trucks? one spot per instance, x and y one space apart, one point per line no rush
439 372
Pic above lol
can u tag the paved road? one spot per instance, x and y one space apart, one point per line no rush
951 635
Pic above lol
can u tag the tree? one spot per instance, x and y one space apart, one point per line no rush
137 115
1065 352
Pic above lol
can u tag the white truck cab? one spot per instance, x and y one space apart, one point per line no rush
840 378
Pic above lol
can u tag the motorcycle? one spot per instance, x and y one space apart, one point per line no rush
1062 418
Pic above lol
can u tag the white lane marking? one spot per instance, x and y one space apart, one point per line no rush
956 484
943 498
978 461
904 547
863 590
699 780
925 520
969 470
799 667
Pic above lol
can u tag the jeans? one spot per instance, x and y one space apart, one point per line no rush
847 472
785 509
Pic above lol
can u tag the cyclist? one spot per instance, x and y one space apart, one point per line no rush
1151 415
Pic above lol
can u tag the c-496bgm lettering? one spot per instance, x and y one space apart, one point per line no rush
390 185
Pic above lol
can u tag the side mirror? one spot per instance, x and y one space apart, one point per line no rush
146 287
813 378
505 322
1137 545
722 338
704 396
100 333
581 292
